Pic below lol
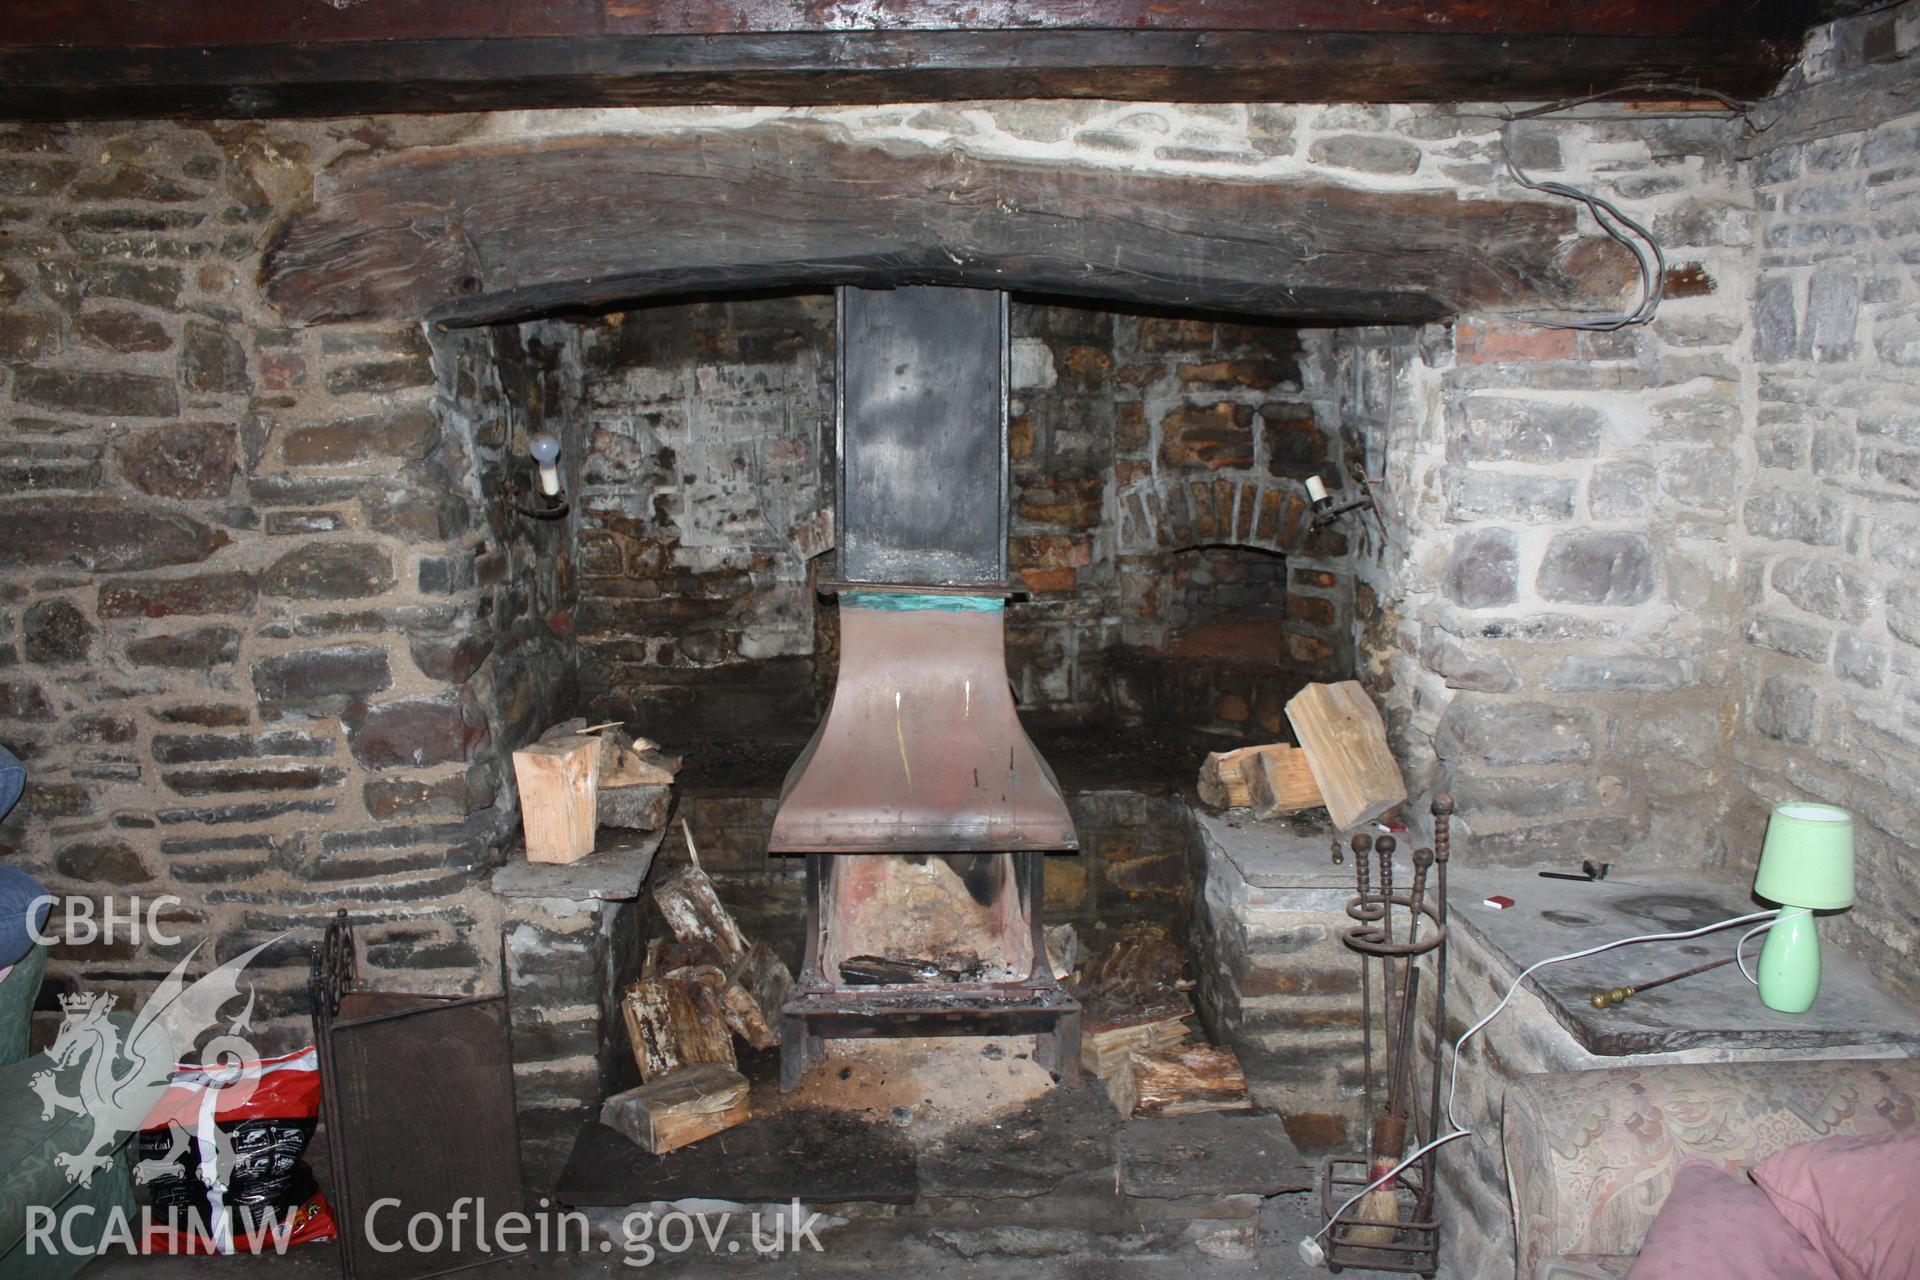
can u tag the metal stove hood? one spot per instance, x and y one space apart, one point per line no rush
921 750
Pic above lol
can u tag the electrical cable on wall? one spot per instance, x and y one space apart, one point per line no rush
1310 1250
1645 247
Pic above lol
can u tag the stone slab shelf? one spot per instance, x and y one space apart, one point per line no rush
613 872
1719 1010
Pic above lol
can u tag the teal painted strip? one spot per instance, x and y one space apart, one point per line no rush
900 602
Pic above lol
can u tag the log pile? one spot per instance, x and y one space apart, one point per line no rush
1134 1032
698 991
1343 763
580 778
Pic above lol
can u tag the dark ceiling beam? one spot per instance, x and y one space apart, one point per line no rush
799 70
485 232
197 24
80 59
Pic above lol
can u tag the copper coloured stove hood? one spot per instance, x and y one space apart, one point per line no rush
921 750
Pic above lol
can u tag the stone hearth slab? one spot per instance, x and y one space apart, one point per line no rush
1716 1010
1212 1154
1057 1136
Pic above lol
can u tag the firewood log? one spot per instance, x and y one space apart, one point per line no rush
765 978
1346 745
681 1107
1106 1040
1179 1081
675 1021
641 807
1279 781
692 909
1221 784
559 781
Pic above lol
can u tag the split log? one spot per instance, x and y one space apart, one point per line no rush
649 767
1280 781
1345 741
1222 784
1108 1037
676 1021
664 955
693 910
632 808
681 1107
1063 949
558 782
766 979
1179 1081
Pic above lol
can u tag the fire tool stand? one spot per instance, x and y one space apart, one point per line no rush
1394 1227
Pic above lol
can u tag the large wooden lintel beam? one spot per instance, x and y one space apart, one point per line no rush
88 79
489 231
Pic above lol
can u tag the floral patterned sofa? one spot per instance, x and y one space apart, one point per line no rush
1591 1154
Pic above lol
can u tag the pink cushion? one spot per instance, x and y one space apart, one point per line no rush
1713 1227
1857 1196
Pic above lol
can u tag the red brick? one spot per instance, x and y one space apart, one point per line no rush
1087 366
1309 649
1311 610
1043 581
1050 551
1166 333
1214 436
1020 437
1477 342
1227 374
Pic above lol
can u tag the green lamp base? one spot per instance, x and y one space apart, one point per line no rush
1789 968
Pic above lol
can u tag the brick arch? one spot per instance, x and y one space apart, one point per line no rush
1177 513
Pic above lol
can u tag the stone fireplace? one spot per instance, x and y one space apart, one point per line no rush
270 625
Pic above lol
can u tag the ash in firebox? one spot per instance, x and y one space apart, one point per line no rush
931 1085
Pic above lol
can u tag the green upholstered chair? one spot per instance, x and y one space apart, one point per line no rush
30 1179
17 994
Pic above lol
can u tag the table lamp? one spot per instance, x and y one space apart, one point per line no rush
1806 865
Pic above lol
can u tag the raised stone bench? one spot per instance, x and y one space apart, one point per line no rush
1278 984
1275 980
1551 1024
573 938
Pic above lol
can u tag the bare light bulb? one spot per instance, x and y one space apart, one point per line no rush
1316 490
545 449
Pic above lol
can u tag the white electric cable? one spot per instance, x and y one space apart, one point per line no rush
1739 946
1310 1248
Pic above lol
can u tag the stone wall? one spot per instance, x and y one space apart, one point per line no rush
704 487
704 464
255 605
1830 519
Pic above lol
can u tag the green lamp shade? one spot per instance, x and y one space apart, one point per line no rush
1807 860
